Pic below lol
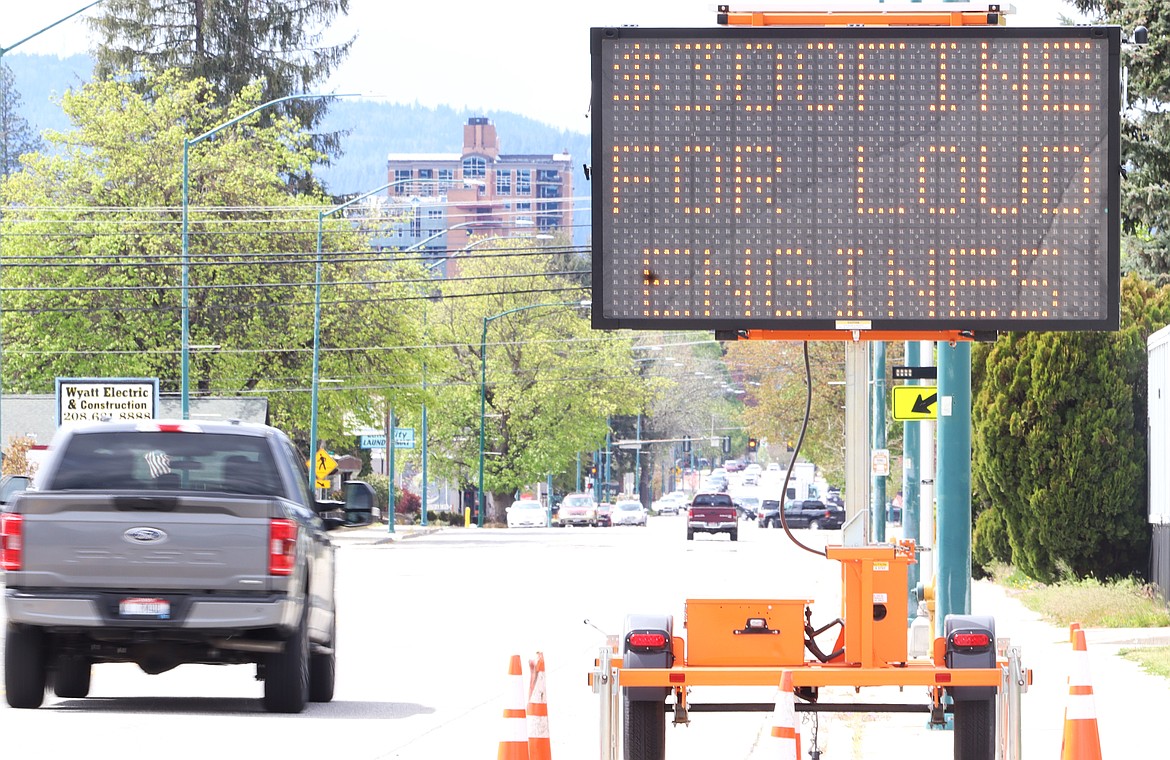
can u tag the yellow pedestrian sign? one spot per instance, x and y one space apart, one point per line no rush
323 464
915 402
326 483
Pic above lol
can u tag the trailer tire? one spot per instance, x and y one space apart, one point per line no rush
690 535
975 730
644 730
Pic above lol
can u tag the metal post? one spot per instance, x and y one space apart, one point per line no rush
953 587
856 427
549 505
926 496
638 461
390 505
425 493
578 472
482 411
878 439
910 477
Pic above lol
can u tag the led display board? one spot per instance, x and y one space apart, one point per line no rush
949 178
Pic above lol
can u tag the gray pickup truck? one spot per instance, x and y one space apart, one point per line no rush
170 542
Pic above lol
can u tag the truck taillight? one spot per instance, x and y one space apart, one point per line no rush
11 542
645 640
282 546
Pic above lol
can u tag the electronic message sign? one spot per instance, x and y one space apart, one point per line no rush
947 178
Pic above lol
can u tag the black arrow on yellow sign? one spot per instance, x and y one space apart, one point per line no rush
922 405
915 402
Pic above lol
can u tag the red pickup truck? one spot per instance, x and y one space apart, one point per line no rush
712 513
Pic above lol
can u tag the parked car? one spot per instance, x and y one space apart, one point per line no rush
577 509
629 512
604 514
733 465
527 513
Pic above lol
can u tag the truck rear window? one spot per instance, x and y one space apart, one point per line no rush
153 460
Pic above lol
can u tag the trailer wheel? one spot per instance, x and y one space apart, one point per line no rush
690 535
644 730
975 730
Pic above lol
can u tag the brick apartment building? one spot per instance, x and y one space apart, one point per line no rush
448 198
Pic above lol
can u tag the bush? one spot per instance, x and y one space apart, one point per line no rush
989 543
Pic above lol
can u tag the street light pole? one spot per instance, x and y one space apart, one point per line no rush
316 380
483 380
184 361
4 51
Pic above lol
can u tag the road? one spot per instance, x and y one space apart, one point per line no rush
427 626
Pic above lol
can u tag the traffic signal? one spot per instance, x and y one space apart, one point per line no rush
726 444
686 444
593 470
753 444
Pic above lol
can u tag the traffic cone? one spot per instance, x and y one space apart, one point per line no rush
514 742
1081 740
539 746
784 721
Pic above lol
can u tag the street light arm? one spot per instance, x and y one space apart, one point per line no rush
5 50
304 96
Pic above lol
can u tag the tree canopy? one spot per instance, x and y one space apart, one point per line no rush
92 261
17 136
231 45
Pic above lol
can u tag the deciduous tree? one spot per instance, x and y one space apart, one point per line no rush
17 136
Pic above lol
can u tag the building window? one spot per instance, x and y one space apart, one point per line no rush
474 167
426 173
446 174
524 182
434 213
401 176
503 182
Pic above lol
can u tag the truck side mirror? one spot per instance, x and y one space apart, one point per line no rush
361 503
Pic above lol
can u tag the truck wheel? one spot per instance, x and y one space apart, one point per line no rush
734 535
323 669
24 666
71 681
690 535
286 673
814 524
975 730
644 730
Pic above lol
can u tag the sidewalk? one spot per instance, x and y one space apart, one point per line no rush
379 534
1131 704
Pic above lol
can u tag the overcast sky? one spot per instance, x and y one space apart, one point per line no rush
526 56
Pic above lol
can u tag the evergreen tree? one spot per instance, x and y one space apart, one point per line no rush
1059 444
17 136
1145 133
231 45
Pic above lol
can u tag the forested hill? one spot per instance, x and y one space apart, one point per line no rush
375 129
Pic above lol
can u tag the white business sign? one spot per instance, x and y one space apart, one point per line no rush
90 399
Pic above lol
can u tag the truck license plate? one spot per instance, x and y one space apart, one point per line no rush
144 607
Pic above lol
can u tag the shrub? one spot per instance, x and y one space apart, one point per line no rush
989 543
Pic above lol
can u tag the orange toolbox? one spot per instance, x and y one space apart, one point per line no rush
744 632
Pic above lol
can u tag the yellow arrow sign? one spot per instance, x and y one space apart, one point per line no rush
323 464
915 402
324 483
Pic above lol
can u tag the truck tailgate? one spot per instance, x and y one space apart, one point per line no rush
136 541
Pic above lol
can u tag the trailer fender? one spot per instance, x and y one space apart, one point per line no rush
970 643
647 643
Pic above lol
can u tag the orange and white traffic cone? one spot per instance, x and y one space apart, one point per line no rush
514 741
784 727
1081 739
539 746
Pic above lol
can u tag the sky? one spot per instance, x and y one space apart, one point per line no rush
526 56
